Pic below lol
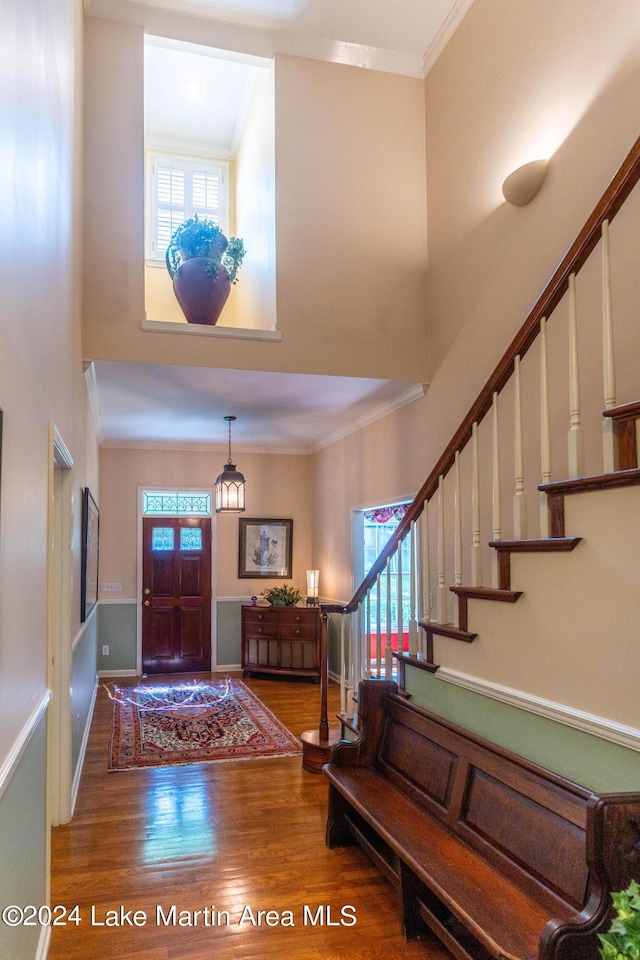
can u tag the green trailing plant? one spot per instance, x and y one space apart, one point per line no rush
282 596
200 237
622 942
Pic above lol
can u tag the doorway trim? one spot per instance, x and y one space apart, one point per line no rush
139 587
59 599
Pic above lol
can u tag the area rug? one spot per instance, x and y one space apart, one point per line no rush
156 726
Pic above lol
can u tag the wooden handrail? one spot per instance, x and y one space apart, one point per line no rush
613 198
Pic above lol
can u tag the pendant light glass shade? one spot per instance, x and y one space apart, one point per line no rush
230 485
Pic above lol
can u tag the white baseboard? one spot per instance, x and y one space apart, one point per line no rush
117 673
43 943
83 749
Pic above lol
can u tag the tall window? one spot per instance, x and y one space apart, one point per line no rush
178 188
378 526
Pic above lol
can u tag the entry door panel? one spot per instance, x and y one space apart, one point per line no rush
176 609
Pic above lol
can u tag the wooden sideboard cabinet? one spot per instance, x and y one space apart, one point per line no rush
281 640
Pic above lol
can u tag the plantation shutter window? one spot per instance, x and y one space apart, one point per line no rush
178 188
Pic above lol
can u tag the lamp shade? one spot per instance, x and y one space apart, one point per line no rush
230 485
313 578
523 184
230 490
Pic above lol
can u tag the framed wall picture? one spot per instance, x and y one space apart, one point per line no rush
266 548
90 550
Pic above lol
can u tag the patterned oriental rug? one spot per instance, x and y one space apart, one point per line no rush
156 726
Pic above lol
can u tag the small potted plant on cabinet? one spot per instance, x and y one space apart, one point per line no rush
282 596
203 266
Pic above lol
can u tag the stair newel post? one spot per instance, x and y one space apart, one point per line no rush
442 598
495 492
457 537
317 744
519 498
609 444
545 430
476 545
399 611
576 437
388 650
343 666
413 621
378 631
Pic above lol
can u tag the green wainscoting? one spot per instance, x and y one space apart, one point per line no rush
83 681
117 625
229 632
587 759
23 856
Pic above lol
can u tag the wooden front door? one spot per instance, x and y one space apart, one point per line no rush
176 594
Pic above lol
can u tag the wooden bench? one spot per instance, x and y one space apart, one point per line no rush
496 855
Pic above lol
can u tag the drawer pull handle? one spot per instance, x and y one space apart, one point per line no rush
260 616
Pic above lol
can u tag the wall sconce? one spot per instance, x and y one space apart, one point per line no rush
313 577
230 485
523 184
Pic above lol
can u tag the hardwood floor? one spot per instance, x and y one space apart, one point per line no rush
218 842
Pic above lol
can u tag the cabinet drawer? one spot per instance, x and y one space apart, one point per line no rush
259 615
297 631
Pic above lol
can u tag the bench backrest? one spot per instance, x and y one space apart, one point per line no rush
529 822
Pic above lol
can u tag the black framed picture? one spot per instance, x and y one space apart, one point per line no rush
266 548
90 551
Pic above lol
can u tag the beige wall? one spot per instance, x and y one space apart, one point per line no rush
255 293
350 248
41 379
488 262
277 486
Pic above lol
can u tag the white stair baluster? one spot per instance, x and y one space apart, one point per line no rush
576 438
476 545
413 619
366 639
388 653
442 597
351 664
545 430
343 668
378 632
426 573
519 499
457 537
609 445
399 598
495 492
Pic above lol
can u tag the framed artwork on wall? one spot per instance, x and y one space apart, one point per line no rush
90 551
266 548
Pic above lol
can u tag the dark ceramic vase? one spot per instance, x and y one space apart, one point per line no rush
201 297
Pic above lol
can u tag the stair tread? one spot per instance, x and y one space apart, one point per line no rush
488 593
549 545
447 630
621 478
624 411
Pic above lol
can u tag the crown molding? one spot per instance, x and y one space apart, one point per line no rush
444 34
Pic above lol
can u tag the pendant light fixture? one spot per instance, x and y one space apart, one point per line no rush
230 485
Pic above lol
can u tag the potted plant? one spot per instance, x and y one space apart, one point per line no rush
622 942
282 596
203 265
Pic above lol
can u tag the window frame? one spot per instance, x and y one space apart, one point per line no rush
191 165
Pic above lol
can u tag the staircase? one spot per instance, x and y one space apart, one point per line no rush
545 434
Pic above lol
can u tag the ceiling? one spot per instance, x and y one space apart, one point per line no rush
140 404
146 404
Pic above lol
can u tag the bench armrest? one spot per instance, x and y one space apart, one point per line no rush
363 751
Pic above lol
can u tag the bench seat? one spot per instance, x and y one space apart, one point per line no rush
475 892
497 856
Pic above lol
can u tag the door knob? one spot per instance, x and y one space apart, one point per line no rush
147 603
147 591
